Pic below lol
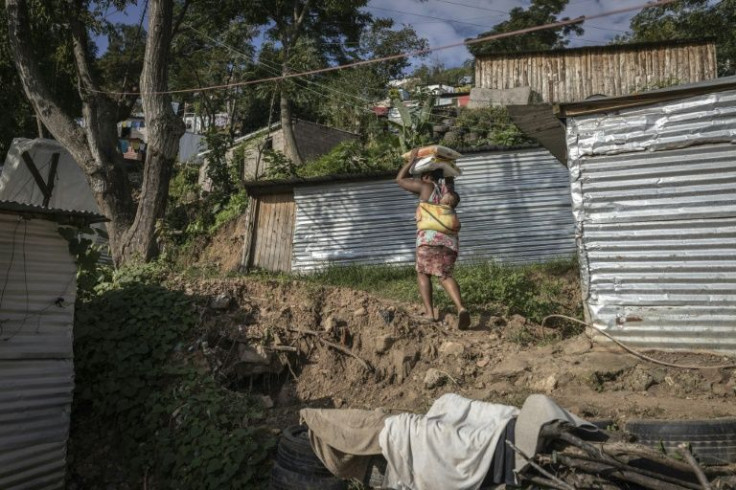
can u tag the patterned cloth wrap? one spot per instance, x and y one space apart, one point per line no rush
437 217
436 251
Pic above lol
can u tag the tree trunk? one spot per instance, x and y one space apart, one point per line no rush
291 150
164 131
94 147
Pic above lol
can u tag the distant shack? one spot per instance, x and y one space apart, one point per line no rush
568 75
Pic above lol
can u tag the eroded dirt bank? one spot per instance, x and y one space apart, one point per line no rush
263 336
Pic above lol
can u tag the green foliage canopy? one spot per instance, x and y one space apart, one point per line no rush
538 13
685 19
54 53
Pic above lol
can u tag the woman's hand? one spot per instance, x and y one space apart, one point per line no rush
404 178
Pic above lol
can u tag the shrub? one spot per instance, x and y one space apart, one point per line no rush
492 125
351 157
137 383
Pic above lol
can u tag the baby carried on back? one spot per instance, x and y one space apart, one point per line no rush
439 217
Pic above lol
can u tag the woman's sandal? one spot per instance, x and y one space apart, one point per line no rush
463 319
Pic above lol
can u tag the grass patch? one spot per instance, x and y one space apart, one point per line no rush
394 282
533 291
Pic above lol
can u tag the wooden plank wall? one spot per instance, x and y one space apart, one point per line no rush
273 231
574 75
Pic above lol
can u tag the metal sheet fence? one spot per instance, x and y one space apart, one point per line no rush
38 290
35 402
515 208
36 370
658 228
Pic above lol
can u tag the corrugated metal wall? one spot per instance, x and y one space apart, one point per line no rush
515 208
36 371
654 196
575 74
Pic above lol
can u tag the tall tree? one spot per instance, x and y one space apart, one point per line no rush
303 28
349 95
215 49
94 144
381 39
538 13
690 19
52 50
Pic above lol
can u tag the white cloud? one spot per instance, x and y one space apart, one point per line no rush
444 22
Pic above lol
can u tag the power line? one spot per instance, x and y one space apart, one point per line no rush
473 6
273 68
553 25
606 29
454 21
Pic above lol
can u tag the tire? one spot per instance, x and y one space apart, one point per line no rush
295 453
376 472
603 424
713 441
285 479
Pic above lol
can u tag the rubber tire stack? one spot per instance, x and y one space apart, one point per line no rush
298 468
713 442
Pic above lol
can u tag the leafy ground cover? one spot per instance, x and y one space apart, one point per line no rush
145 406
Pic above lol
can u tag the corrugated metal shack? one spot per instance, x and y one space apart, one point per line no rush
515 209
654 196
567 75
36 367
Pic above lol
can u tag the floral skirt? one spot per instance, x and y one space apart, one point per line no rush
436 260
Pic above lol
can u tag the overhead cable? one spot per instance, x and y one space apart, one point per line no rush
503 35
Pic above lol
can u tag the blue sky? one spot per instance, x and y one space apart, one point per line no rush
444 22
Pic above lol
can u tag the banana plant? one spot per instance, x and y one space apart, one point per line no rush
414 123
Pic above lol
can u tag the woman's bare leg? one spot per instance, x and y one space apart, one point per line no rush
453 290
425 290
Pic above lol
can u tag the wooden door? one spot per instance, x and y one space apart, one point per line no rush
273 232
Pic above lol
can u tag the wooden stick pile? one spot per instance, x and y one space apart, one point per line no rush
568 462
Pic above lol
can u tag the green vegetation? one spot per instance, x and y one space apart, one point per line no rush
193 216
537 13
415 127
689 19
533 291
350 157
139 393
490 126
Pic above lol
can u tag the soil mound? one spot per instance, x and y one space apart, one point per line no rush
303 345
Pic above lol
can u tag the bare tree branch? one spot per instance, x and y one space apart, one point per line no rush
60 124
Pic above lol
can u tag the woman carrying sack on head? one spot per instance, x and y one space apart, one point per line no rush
437 235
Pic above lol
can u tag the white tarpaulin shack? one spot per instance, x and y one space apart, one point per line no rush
653 180
61 176
40 172
37 294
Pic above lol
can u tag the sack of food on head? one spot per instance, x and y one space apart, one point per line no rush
431 163
434 151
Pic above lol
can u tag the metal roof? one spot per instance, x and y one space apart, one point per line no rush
539 122
645 98
61 216
542 121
